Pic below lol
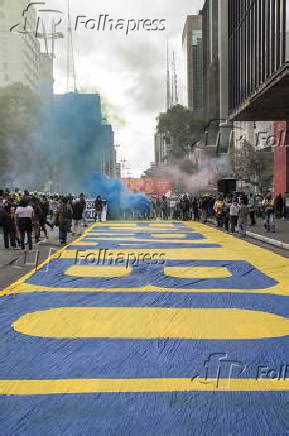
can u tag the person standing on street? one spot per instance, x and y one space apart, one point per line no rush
8 224
233 216
219 211
83 203
165 208
269 214
24 215
63 219
226 212
252 210
195 205
243 216
98 208
77 207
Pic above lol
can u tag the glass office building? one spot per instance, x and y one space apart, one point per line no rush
258 57
193 56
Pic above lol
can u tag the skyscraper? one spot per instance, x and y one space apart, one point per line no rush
259 72
258 59
19 52
193 55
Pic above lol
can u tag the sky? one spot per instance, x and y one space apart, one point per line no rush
128 71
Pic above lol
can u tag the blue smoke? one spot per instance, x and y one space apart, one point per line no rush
118 196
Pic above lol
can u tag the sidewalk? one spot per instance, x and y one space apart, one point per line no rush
15 264
279 239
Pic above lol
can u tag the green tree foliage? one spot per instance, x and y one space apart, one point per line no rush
181 128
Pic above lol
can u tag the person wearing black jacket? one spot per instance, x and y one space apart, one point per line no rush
77 208
98 208
63 219
186 208
8 224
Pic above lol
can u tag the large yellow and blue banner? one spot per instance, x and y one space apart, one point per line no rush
147 328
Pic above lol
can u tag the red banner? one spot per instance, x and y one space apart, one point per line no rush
150 186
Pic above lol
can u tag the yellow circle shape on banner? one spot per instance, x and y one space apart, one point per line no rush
98 271
152 323
169 235
197 272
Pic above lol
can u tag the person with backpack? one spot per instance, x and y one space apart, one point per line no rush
63 219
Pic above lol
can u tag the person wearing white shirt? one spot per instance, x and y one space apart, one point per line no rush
24 219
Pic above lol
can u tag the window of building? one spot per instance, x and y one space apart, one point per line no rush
6 78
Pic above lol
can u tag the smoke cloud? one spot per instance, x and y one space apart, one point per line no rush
118 196
198 174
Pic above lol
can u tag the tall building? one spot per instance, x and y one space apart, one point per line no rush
215 67
211 62
193 55
258 58
19 52
259 72
160 149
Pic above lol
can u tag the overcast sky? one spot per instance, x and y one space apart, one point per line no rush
129 71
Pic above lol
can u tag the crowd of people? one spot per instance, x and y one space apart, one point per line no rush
232 211
26 216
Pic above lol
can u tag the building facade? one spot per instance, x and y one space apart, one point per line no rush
215 70
258 59
19 52
259 72
211 88
160 149
193 55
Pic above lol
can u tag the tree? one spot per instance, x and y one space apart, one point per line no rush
181 128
